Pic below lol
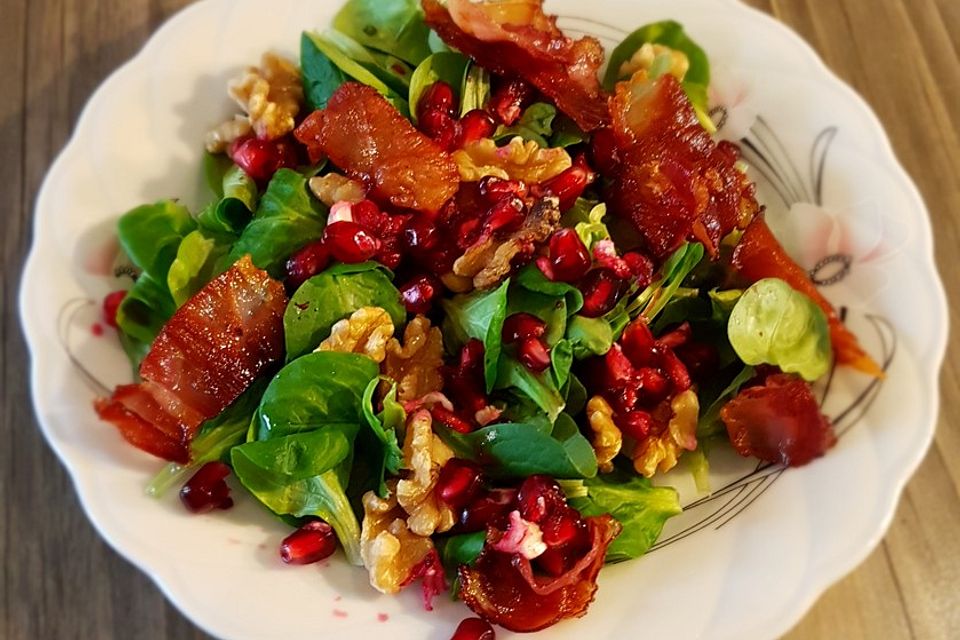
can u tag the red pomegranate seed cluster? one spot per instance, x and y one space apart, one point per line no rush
312 542
361 232
540 500
526 332
570 185
640 376
260 159
465 385
437 118
207 489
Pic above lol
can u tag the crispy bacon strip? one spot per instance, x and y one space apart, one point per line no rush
501 587
779 422
204 358
366 136
672 181
518 38
759 255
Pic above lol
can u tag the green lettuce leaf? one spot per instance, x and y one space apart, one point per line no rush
395 27
478 315
518 450
475 90
640 507
332 296
536 123
287 219
318 389
379 443
773 323
321 77
448 67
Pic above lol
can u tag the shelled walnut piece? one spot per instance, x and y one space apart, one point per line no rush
424 454
367 331
490 259
333 188
661 453
607 439
415 365
518 160
271 95
389 550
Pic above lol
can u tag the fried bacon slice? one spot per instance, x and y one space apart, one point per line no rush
518 38
760 255
672 181
779 422
366 136
502 588
209 352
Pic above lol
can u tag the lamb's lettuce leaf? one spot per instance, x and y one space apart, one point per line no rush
447 67
287 219
478 315
773 323
641 508
518 450
395 27
333 295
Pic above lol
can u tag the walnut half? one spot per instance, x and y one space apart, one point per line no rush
424 453
366 332
416 364
271 95
490 259
389 550
607 439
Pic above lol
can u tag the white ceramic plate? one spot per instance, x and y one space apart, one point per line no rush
745 563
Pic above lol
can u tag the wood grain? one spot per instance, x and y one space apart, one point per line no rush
59 580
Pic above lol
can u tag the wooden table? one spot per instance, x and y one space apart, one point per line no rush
61 581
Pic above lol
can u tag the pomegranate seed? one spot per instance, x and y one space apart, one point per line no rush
521 326
350 243
534 355
506 216
474 629
601 290
311 543
637 424
468 233
421 234
207 489
368 215
420 293
679 336
553 562
653 383
700 359
508 100
603 150
494 189
638 342
561 527
569 258
487 510
475 125
539 496
438 97
619 367
641 266
111 304
450 420
459 483
390 259
260 159
306 263
676 371
570 185
441 127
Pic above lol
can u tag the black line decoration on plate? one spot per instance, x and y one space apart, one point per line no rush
772 166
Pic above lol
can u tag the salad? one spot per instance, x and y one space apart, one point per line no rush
459 302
